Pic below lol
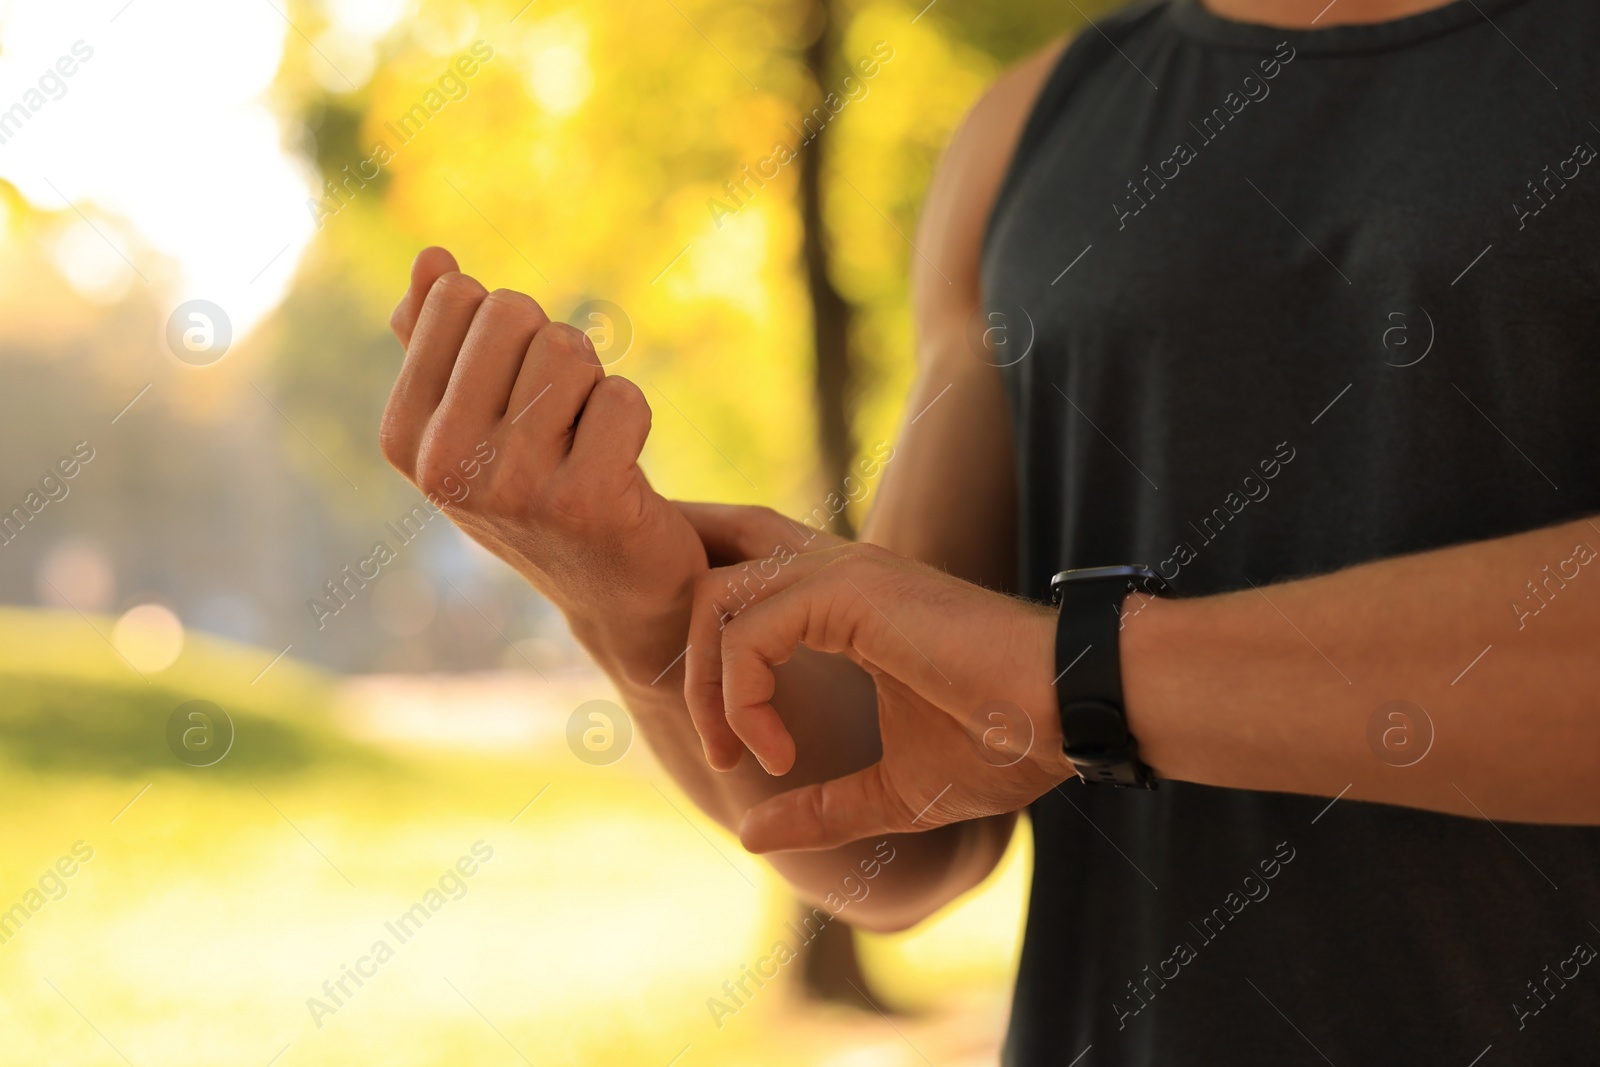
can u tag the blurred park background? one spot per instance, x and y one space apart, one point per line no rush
282 161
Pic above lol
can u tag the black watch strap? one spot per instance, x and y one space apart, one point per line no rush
1094 724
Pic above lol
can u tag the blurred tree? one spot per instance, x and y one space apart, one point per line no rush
580 161
832 316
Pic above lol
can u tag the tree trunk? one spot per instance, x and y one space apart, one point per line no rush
831 314
830 967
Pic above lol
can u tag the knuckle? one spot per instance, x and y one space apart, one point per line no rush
512 306
457 290
627 396
861 558
392 444
568 341
436 474
430 478
400 317
883 797
735 637
844 565
815 803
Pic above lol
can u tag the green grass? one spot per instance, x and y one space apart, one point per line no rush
221 898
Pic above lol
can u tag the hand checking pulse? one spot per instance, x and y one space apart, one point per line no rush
562 499
953 664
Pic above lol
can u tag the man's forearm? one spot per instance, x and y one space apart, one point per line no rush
1482 657
1494 645
831 708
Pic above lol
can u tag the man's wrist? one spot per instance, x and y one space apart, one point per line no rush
1150 642
642 654
1049 742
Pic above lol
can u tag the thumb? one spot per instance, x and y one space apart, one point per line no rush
826 815
734 533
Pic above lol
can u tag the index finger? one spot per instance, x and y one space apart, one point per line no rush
431 264
809 605
753 547
716 599
722 596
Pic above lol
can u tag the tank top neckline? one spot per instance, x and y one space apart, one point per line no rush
1192 19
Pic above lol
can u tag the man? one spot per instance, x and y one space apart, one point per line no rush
1276 336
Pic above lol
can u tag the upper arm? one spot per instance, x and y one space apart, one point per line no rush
950 496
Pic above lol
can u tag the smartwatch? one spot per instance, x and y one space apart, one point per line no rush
1094 724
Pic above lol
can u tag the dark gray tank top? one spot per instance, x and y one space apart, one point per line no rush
1292 301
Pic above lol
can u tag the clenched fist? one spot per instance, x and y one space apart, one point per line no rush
562 498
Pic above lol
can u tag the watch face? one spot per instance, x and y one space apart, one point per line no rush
1138 576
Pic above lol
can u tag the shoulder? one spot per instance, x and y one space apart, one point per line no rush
1003 109
987 137
992 139
984 146
969 176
